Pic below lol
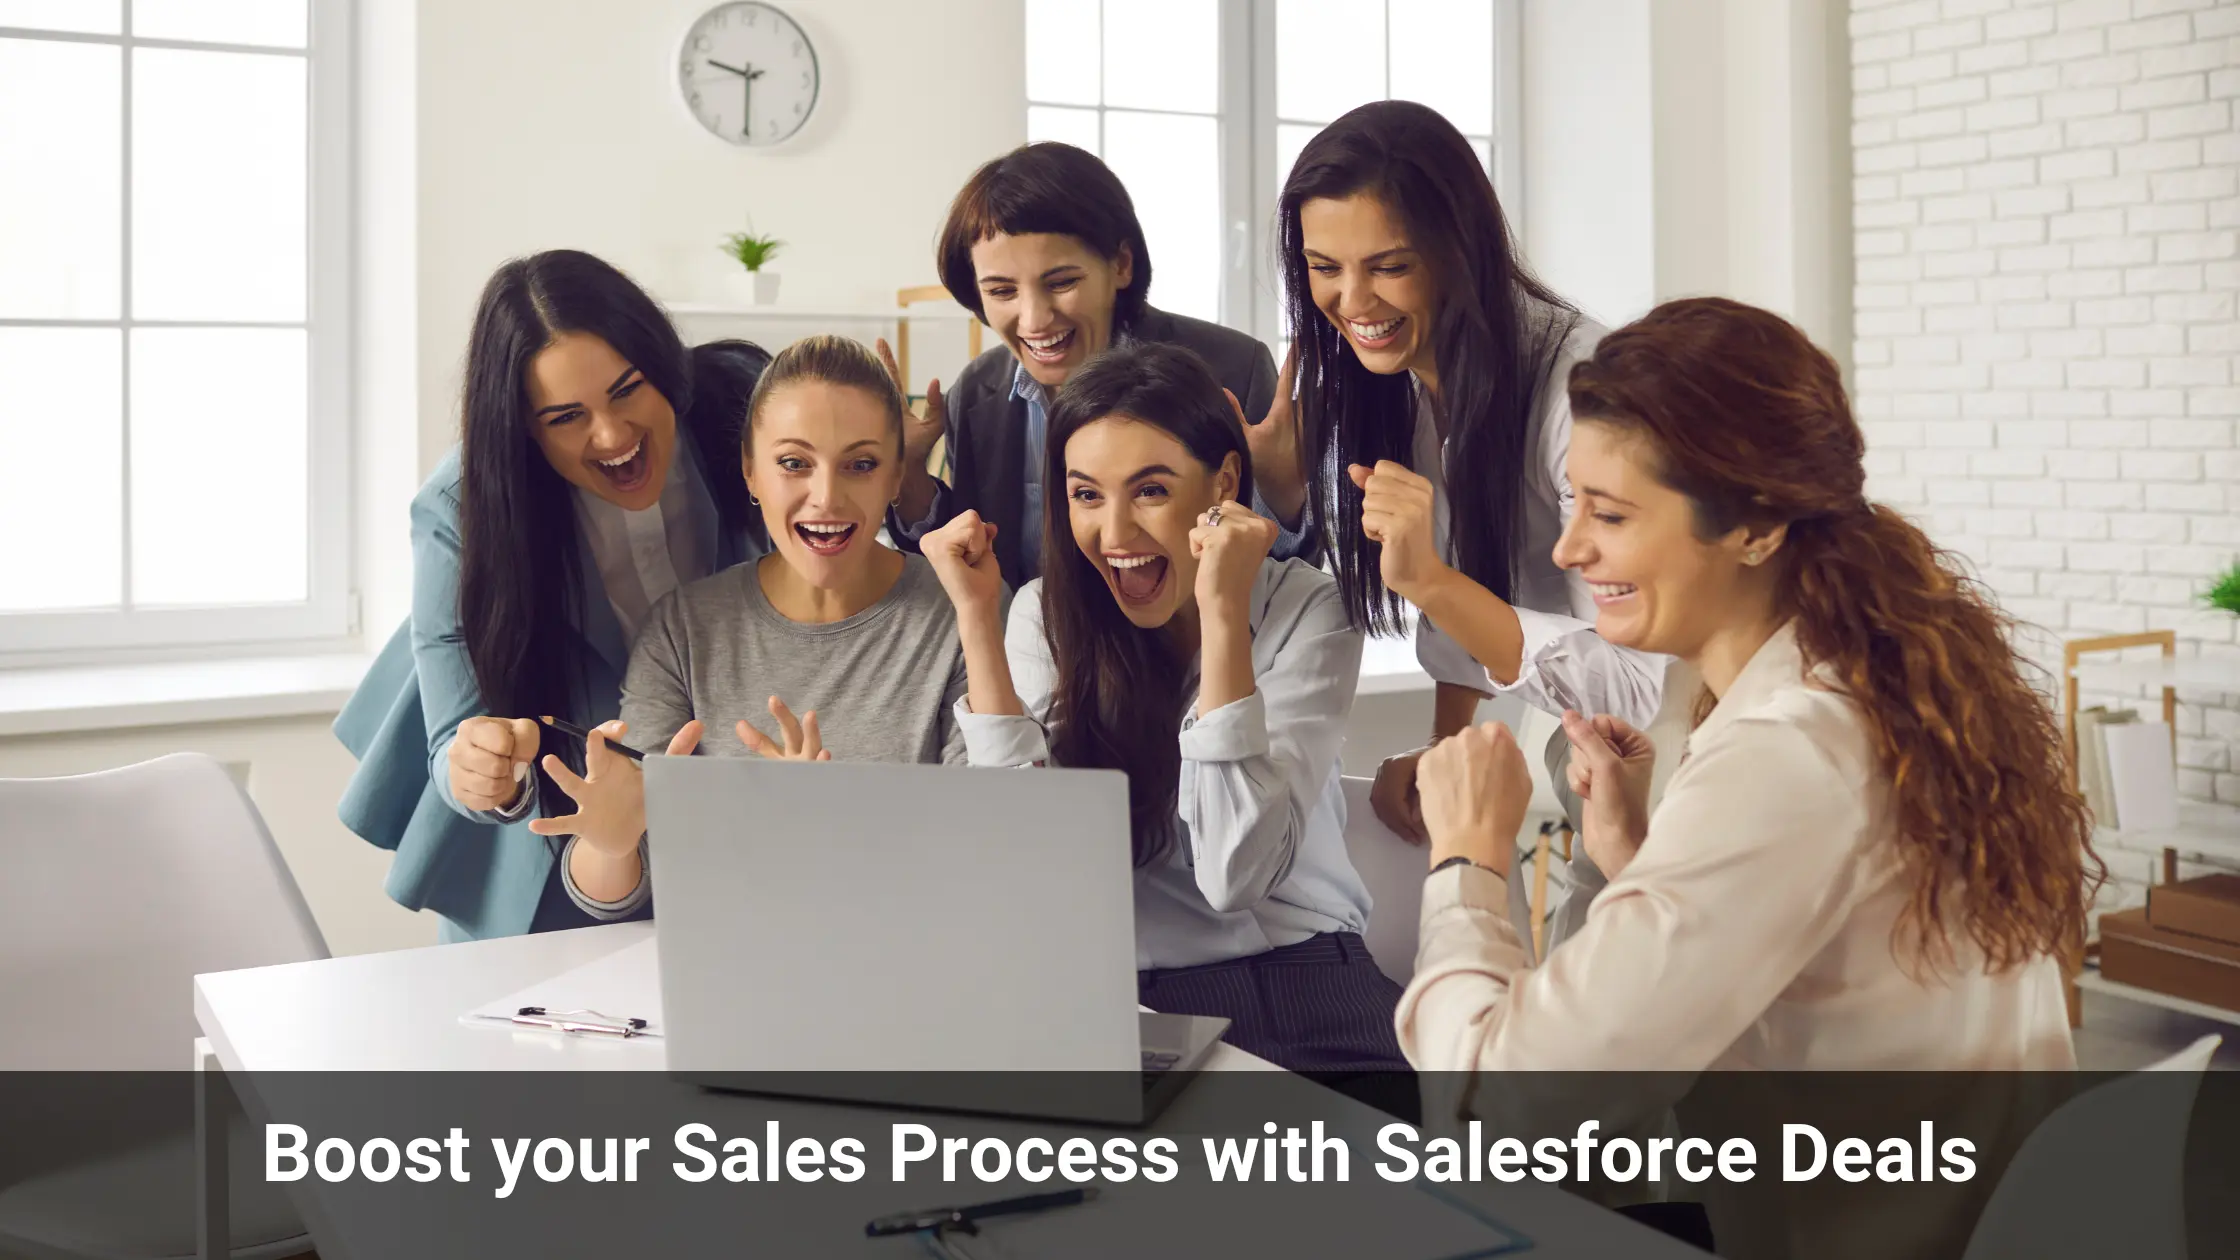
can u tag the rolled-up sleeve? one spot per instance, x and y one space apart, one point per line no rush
1253 769
1566 665
608 911
994 739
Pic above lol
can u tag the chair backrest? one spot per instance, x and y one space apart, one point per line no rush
1393 870
2104 1175
122 886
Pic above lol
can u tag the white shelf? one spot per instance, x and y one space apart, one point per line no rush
853 314
2092 981
2203 828
2211 673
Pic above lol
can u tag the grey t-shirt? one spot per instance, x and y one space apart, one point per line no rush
884 683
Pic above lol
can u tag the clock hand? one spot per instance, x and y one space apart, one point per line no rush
746 100
720 66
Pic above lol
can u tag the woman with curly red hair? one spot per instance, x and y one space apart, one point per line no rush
1869 857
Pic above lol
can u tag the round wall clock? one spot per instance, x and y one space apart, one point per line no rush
748 73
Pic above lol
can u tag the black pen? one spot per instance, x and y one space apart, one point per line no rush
582 734
964 1217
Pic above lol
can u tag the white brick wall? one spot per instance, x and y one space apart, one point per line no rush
2047 209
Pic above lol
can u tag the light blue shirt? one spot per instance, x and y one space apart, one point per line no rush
1260 860
1029 389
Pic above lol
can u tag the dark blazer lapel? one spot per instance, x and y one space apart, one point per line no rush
601 628
1000 449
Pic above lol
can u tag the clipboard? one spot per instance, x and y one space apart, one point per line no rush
617 997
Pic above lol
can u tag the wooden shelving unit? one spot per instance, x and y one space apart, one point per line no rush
2203 830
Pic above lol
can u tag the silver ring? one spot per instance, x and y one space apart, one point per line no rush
1213 515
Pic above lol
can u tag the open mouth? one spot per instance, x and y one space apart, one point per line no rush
1137 579
1606 593
825 538
1049 349
1378 335
628 471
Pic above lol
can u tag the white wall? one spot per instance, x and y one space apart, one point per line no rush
1688 147
2048 210
1589 190
546 123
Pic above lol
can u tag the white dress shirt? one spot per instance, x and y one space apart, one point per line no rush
643 555
1753 930
1566 664
1260 860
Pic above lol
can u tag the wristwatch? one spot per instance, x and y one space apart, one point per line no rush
1459 860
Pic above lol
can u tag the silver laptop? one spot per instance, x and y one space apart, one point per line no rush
902 934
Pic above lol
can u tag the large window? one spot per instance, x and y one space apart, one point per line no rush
173 258
1201 107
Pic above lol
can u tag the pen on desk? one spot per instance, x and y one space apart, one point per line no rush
571 728
964 1217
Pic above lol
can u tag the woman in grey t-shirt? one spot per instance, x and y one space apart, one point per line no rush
830 623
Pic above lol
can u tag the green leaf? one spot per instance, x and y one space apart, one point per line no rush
751 251
2225 591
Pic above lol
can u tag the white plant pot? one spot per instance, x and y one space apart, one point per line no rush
753 288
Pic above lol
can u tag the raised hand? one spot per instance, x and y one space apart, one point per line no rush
1475 790
610 794
963 556
921 429
802 741
489 761
1230 541
1394 798
1397 515
1611 765
1277 470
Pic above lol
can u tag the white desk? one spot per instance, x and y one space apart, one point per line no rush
400 1011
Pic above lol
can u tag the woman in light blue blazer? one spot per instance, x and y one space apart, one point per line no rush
597 471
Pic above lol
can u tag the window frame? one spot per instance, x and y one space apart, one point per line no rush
1252 297
325 620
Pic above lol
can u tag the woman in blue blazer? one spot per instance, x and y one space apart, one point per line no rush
597 470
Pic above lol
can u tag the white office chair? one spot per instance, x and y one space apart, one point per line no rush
1393 870
121 887
2104 1175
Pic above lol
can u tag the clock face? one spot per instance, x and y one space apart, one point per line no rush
748 73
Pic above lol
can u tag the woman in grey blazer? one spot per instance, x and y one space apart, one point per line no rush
1044 246
597 470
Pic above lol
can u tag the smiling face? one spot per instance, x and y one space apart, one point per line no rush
1657 585
600 423
1368 282
1050 298
825 461
1133 494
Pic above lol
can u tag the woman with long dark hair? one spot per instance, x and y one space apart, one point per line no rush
1431 367
1162 640
1043 245
595 474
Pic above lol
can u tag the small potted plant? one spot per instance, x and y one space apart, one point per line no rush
752 252
2225 591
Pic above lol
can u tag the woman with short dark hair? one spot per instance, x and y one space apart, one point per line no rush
594 475
1043 245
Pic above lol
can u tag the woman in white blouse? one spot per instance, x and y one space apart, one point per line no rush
1869 858
1163 641
1434 421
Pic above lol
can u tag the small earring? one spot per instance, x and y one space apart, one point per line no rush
1749 557
753 501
